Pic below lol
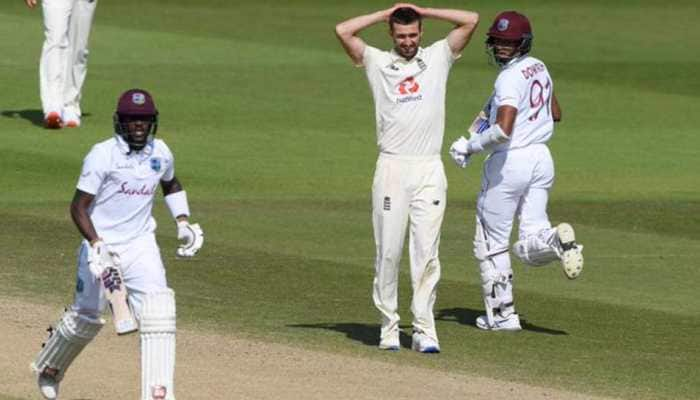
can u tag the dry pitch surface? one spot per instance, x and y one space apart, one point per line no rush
213 366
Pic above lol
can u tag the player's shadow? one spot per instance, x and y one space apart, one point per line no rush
367 334
35 116
467 316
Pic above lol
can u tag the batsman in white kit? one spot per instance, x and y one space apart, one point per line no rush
408 84
514 126
119 259
63 63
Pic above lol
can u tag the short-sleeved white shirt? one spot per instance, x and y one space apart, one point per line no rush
526 85
124 185
409 98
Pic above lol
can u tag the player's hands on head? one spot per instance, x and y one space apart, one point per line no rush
101 258
192 238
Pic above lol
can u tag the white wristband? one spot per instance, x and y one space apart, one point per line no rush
177 203
487 140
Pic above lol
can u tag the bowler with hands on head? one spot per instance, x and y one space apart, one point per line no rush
408 84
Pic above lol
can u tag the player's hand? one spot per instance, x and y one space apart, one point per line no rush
192 238
30 3
101 258
458 152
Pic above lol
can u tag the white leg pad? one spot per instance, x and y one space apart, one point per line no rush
539 249
72 333
158 346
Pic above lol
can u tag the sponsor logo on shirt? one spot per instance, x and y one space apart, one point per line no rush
144 190
408 89
124 166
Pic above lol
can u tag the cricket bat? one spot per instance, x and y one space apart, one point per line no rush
115 292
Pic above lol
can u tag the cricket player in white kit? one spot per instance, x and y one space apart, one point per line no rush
63 64
515 126
408 84
112 210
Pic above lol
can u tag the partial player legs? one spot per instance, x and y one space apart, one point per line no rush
426 214
54 59
79 32
389 219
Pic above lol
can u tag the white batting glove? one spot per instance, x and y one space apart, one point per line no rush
192 237
100 258
458 152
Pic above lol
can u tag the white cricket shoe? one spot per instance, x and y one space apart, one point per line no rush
572 252
48 386
390 342
500 323
424 344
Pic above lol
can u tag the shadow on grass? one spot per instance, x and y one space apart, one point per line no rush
35 116
367 334
467 316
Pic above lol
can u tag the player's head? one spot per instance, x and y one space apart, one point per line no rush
136 118
406 29
509 37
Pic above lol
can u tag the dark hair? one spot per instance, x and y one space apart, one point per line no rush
404 16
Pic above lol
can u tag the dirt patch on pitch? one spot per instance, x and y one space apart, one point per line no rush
213 367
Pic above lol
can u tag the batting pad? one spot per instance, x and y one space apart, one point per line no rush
158 345
72 333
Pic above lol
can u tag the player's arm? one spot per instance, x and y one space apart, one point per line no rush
79 213
30 3
465 24
556 109
347 31
191 235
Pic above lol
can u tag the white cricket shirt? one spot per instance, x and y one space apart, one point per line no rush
124 185
409 98
526 85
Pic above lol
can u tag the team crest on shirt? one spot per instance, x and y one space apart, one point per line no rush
155 164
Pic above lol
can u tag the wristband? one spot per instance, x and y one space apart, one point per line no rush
177 203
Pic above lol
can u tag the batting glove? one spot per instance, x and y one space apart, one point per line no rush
192 237
458 152
101 258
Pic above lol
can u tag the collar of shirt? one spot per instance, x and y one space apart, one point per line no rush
124 148
395 57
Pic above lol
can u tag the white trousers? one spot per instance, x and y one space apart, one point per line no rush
407 190
515 183
142 270
63 64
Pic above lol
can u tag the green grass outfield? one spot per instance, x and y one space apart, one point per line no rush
273 134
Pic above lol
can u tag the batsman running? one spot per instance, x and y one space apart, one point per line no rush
112 210
408 84
514 126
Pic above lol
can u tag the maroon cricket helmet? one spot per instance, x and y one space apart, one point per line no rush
135 104
510 25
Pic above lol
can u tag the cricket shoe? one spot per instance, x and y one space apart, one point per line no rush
48 385
390 342
500 323
423 343
572 252
53 120
71 119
